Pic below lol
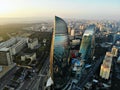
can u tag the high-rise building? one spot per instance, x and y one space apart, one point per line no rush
106 66
88 43
59 57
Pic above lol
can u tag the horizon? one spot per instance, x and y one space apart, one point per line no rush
19 20
45 9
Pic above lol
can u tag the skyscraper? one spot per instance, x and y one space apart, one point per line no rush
59 53
88 42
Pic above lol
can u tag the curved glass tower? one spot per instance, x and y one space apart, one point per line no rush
60 50
88 43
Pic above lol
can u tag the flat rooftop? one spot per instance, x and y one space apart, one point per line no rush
4 49
89 30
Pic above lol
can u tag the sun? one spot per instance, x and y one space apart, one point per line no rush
6 7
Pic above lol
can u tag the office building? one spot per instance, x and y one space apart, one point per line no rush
88 43
16 48
5 57
8 43
59 57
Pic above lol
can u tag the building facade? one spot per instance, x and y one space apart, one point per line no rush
88 43
114 51
18 46
106 66
32 43
59 53
5 57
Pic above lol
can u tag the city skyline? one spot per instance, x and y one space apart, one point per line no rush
83 9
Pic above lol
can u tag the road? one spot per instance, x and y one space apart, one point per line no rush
37 82
42 74
79 86
6 79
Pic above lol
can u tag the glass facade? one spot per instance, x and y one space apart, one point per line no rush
87 44
60 53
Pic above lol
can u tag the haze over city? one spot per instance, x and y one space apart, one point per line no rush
59 44
82 9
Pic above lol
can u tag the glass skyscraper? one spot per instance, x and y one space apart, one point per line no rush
87 44
60 53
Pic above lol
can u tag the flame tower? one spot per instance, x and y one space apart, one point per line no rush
88 43
59 56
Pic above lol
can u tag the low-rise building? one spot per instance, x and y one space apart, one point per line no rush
8 43
5 57
18 46
31 56
32 43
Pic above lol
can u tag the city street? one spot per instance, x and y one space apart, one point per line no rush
36 83
6 79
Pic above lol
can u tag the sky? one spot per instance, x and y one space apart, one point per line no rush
85 9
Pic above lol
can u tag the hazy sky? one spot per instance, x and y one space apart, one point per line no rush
64 8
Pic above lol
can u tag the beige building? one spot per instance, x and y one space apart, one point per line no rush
106 66
72 32
69 30
114 51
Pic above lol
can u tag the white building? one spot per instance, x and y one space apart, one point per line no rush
18 46
28 56
8 43
32 43
75 42
9 48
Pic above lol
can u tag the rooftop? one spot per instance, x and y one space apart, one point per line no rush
88 32
4 49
